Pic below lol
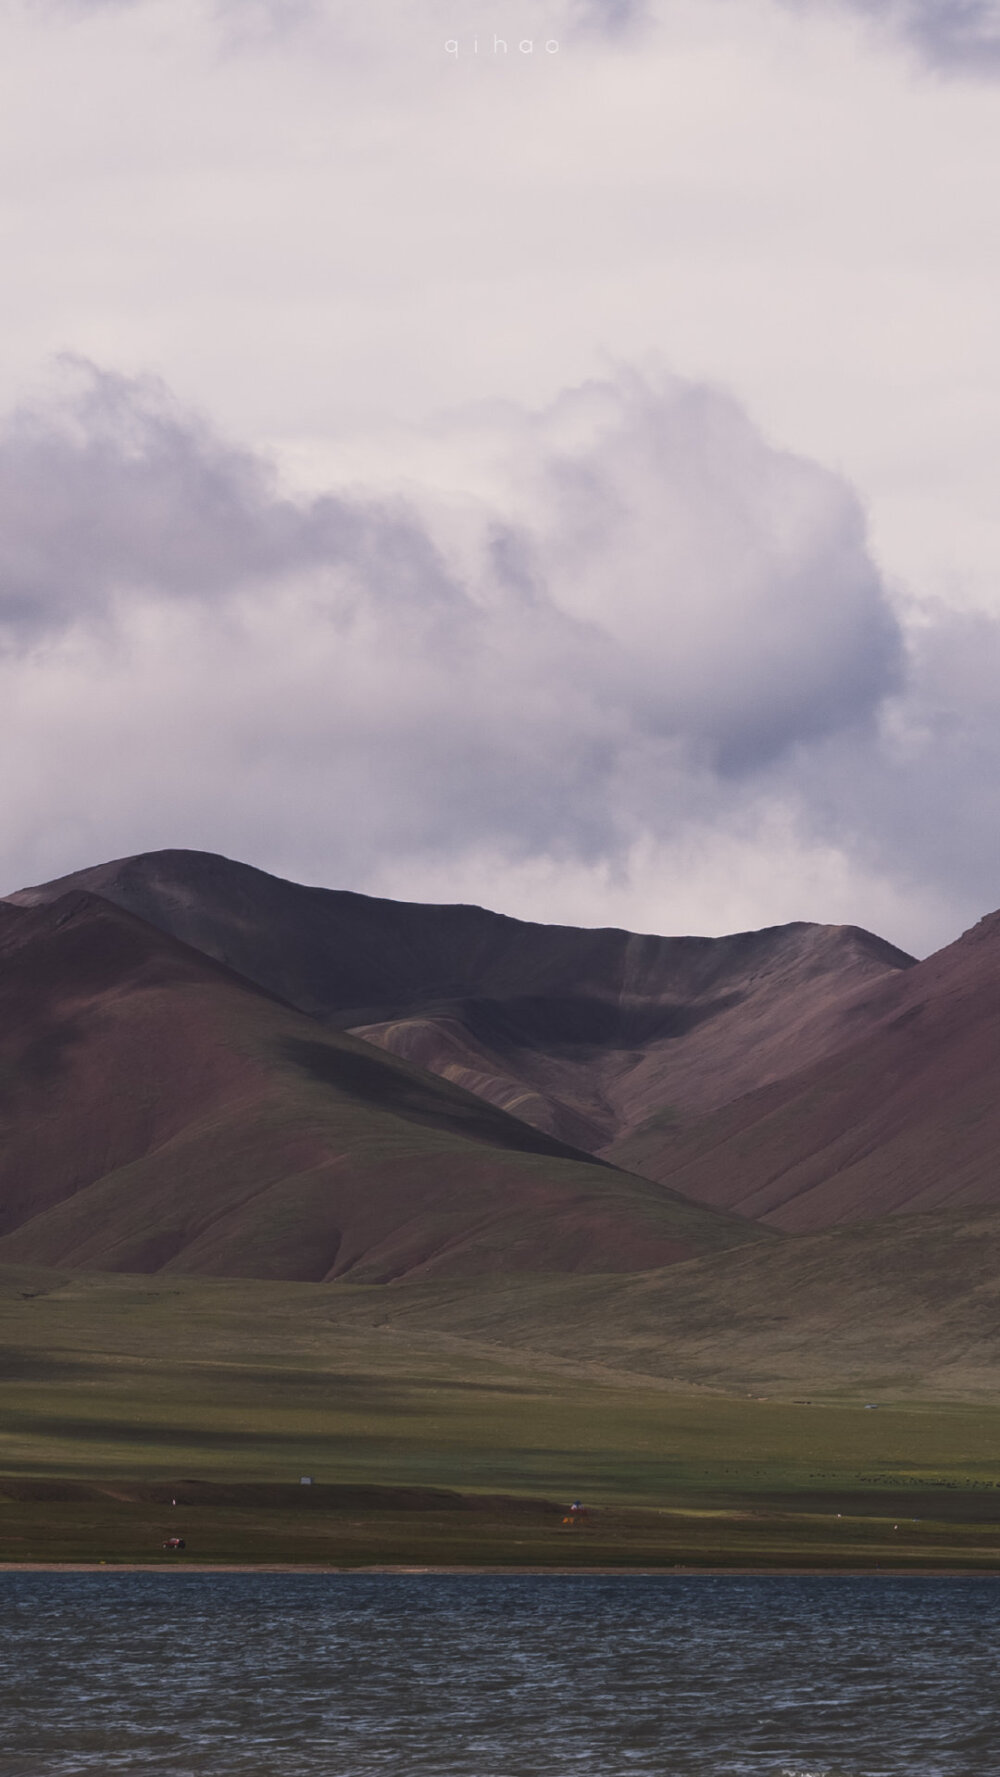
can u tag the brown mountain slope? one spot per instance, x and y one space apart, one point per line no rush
581 1033
159 1113
904 1119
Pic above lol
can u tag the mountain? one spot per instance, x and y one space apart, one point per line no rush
159 1112
904 1119
189 1080
584 1034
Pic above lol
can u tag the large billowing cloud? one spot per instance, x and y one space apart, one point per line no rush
625 621
648 577
729 583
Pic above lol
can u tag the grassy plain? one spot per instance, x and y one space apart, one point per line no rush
120 1393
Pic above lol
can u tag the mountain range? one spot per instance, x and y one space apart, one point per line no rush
206 1069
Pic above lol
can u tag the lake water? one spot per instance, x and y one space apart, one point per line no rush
278 1675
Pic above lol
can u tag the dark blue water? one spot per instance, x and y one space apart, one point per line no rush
276 1675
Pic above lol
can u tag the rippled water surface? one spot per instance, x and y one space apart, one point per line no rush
275 1675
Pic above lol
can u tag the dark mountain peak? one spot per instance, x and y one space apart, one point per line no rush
159 1111
582 1032
80 937
860 942
407 953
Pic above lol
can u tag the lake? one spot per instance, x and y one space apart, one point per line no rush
427 1675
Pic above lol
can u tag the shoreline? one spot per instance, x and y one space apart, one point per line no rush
674 1572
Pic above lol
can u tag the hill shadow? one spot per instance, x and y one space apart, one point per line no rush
375 1082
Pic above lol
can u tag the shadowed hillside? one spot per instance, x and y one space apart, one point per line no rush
581 1033
160 1113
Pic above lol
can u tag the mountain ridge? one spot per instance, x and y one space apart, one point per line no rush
581 1032
160 1112
795 1077
905 1119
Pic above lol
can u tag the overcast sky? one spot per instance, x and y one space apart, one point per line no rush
539 454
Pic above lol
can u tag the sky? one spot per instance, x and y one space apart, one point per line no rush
540 455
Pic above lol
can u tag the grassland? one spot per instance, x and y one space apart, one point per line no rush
118 1394
246 1524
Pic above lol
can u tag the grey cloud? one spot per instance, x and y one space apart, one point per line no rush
611 16
734 579
113 492
961 36
960 31
923 802
654 611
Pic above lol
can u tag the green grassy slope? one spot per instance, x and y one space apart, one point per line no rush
147 1375
132 1391
903 1308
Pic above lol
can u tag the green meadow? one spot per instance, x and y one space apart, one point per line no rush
119 1394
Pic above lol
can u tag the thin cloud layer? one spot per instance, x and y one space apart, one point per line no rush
250 21
954 36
